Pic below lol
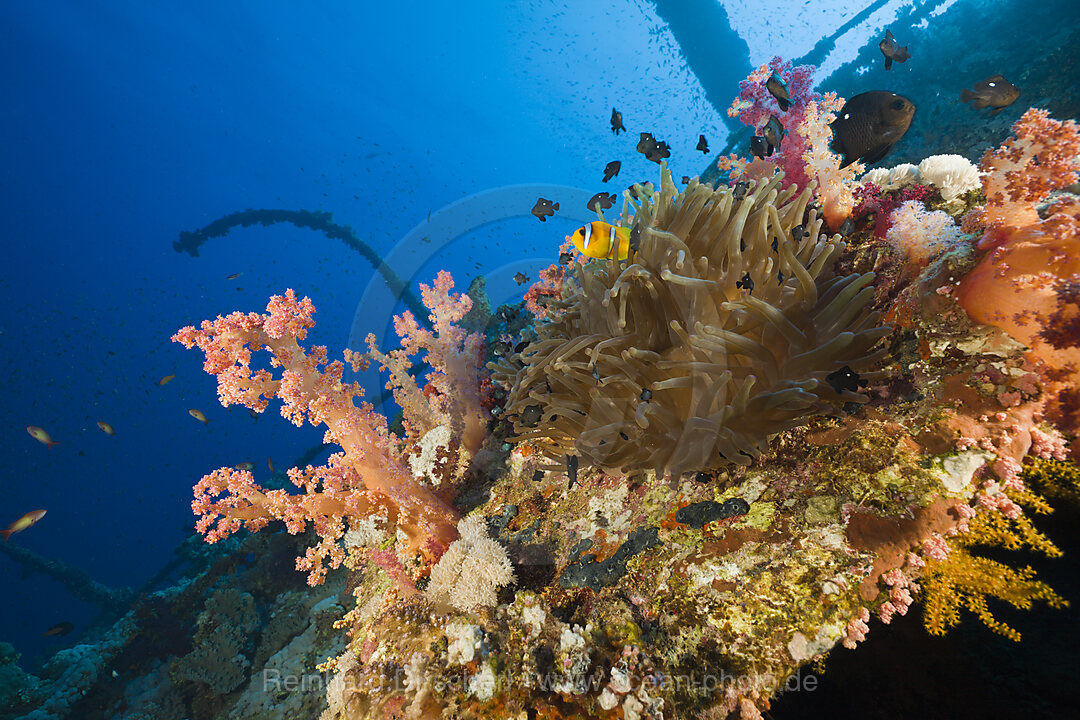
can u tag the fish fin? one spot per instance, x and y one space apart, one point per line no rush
876 154
556 206
966 96
784 104
888 62
979 104
542 218
995 111
6 534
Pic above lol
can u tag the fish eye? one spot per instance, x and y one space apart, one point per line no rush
993 84
847 116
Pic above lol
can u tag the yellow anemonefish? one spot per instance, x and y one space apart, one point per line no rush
596 240
40 435
22 523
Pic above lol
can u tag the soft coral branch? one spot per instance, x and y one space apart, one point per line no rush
1032 246
368 475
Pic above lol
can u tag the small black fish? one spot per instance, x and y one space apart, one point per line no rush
797 234
843 379
635 239
521 346
611 169
565 258
995 91
616 121
759 146
779 90
741 188
774 133
702 144
543 209
892 50
747 283
521 278
646 395
685 179
869 125
604 200
538 475
571 469
653 149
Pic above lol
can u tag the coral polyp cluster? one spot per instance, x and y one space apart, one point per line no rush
720 330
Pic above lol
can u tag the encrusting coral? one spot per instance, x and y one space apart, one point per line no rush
726 325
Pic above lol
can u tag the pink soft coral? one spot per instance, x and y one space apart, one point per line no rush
368 478
452 396
804 154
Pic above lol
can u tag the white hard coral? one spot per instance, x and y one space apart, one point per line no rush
952 175
468 576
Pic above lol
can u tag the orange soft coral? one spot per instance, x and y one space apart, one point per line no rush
1031 249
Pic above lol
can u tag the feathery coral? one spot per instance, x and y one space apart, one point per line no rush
470 573
964 580
921 234
718 332
369 476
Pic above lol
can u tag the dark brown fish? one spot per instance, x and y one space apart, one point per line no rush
521 278
616 121
759 147
995 91
543 209
653 149
869 125
611 169
59 629
892 50
234 276
702 144
779 90
604 200
774 133
685 179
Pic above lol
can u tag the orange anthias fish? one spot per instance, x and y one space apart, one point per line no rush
105 427
165 380
197 414
59 629
270 464
22 523
40 435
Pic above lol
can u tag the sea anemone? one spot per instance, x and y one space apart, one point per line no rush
725 326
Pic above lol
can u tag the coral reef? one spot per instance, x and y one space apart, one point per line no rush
804 153
1030 235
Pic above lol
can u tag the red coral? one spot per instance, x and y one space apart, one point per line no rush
872 200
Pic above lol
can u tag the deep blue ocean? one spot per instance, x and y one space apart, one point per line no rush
124 124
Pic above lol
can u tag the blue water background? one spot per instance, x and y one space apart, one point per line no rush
124 123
